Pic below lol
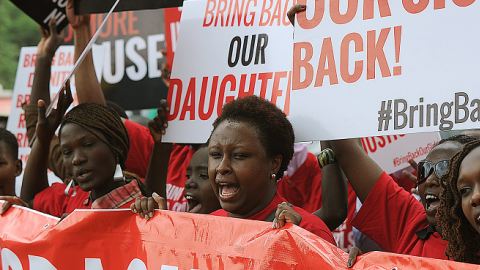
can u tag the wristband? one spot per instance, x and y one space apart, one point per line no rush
327 156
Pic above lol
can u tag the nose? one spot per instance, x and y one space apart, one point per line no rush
475 199
224 166
78 158
191 183
432 180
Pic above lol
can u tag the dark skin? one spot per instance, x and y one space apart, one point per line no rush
35 176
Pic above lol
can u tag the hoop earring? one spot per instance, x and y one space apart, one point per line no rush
67 189
273 176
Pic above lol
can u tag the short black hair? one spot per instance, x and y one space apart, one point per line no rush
275 131
10 141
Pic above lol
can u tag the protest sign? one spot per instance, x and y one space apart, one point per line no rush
227 49
392 152
172 25
94 6
62 64
131 71
119 239
368 68
42 11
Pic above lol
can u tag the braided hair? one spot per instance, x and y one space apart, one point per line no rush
462 238
275 131
93 116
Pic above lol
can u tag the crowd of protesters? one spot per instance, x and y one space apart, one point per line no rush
248 168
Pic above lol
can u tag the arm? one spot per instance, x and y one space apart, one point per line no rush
156 179
361 171
334 194
88 87
46 49
35 176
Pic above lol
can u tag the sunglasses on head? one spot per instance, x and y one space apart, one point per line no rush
425 168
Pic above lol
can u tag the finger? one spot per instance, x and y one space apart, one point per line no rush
163 115
352 256
133 208
19 201
162 204
41 111
138 207
281 220
53 26
43 32
144 202
410 176
151 206
5 207
413 163
159 124
294 10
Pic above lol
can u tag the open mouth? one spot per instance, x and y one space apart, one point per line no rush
431 202
82 175
227 190
194 205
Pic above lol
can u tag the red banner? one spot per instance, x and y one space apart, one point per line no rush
119 239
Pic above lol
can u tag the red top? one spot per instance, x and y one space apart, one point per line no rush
177 171
53 201
141 147
390 216
309 222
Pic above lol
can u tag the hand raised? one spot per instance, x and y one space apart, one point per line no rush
46 126
145 206
51 40
159 123
76 20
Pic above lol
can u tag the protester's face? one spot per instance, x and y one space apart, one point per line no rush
198 190
10 168
239 169
430 190
468 186
90 160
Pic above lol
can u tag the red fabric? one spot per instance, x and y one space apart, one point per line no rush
176 178
303 188
118 197
141 147
404 182
390 216
309 222
53 201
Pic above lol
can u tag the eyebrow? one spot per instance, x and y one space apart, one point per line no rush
79 139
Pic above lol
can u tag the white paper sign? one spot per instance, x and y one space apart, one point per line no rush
62 64
392 152
227 49
369 68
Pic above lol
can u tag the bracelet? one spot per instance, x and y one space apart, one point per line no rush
327 156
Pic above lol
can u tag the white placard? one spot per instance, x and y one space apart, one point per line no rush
212 66
62 64
392 152
369 68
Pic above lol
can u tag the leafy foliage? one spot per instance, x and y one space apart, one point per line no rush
16 31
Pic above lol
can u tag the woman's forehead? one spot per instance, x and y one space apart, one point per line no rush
444 151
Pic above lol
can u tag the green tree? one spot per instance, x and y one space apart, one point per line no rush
16 31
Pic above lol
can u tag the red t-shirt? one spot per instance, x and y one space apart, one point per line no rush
176 178
303 188
309 222
53 200
141 147
391 216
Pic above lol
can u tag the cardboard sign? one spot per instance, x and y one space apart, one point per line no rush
227 49
42 11
94 6
392 152
119 239
62 64
132 68
385 67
